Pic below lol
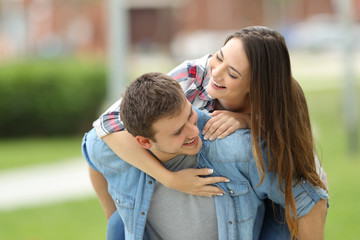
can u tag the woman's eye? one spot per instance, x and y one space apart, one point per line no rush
218 58
232 76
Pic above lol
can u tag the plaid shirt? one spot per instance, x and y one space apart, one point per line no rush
193 76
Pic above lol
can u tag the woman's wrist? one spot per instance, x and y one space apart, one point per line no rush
167 178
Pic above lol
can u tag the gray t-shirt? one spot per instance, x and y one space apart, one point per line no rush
174 215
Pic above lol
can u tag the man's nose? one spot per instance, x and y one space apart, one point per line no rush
193 130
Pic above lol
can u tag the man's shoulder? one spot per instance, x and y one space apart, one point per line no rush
236 147
203 117
240 136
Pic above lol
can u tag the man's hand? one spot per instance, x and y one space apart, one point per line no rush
190 181
224 123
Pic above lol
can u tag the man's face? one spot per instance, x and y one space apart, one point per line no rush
176 135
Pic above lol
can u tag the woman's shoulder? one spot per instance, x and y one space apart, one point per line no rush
192 67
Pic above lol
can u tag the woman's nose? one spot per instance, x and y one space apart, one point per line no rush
217 70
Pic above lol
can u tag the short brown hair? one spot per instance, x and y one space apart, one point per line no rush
150 97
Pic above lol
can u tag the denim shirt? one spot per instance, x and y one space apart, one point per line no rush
239 212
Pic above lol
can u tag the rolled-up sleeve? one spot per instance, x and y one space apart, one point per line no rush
109 121
86 147
306 196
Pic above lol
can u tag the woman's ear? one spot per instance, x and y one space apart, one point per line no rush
143 141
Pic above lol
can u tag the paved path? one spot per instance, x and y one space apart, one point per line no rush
50 183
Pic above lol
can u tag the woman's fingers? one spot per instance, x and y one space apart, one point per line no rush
220 126
209 191
224 123
224 130
212 180
227 132
213 125
191 181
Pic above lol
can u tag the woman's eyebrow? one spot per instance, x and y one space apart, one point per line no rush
234 69
222 55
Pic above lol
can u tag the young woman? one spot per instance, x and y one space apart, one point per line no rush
246 84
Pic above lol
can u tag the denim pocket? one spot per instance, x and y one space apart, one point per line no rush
125 206
239 192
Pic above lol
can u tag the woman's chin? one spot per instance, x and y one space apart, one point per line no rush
211 92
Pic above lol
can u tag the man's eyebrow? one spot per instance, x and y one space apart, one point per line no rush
181 128
234 69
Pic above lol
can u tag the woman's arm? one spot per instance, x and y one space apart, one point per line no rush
188 180
100 186
311 226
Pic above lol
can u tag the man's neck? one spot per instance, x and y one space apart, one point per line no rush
161 156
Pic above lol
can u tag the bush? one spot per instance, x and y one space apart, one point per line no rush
50 97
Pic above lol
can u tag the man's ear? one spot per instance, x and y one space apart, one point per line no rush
143 141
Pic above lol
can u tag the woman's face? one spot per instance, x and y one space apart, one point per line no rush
229 77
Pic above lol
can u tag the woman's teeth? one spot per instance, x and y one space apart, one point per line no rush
217 84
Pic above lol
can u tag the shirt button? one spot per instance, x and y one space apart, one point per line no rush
231 191
304 181
117 201
230 222
142 213
150 182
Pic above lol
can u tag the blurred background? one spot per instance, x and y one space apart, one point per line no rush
62 63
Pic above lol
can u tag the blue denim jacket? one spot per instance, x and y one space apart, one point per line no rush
240 211
242 208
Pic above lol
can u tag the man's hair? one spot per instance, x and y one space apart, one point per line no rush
148 98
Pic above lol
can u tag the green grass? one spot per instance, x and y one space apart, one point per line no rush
77 220
30 151
342 168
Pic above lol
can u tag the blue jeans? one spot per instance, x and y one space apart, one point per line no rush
274 226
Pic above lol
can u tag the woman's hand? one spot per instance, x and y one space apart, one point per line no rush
190 181
224 123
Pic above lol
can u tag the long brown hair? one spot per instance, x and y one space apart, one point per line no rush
279 114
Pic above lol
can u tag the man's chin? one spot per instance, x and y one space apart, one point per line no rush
198 147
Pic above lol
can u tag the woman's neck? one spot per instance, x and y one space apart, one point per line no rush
223 105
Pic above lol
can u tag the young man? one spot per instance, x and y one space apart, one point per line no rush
155 111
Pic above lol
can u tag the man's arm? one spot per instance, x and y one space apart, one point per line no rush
311 226
100 185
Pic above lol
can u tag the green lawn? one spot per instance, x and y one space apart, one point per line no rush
30 151
77 220
85 219
326 109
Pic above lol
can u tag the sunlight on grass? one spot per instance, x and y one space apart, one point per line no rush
30 151
326 111
70 220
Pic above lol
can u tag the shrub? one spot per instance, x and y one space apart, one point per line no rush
50 97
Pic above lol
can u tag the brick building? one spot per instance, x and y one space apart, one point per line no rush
51 27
